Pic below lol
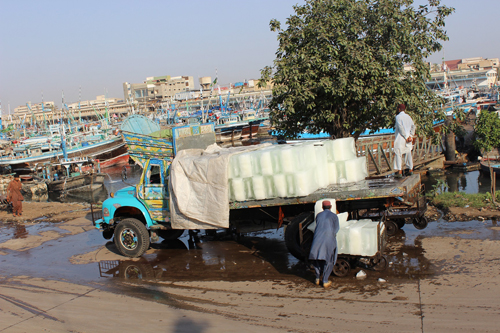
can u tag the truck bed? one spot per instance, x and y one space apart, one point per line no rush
363 190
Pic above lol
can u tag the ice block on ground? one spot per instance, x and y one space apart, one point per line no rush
356 237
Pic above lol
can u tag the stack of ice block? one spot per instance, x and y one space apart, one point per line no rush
357 237
293 170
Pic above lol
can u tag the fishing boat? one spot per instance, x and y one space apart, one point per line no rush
33 156
495 166
229 128
74 179
251 128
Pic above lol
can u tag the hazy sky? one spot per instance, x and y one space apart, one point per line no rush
50 46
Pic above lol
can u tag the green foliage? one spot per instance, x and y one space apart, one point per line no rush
438 188
339 66
487 131
460 199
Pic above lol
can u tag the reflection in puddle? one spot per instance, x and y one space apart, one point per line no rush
213 260
457 181
263 255
20 231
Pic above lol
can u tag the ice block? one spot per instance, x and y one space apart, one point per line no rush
287 160
259 187
245 165
343 149
238 189
280 185
266 163
270 187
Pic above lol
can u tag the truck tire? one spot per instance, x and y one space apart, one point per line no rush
391 227
170 234
131 270
131 238
292 236
420 223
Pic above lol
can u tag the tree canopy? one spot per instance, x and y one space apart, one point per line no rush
487 131
342 65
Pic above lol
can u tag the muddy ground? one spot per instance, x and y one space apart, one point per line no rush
58 274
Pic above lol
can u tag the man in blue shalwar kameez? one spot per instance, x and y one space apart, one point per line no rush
324 246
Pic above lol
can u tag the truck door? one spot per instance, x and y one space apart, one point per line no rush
153 189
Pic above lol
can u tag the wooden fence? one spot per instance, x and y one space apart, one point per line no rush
379 153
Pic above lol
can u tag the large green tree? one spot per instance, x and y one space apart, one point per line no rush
342 65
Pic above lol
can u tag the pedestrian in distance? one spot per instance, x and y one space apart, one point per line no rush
323 252
15 197
403 141
124 173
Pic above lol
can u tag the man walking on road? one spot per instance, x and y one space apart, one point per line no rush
14 195
404 131
324 246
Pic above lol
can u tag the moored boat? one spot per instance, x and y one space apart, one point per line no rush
494 164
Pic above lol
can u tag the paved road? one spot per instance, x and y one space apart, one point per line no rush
62 277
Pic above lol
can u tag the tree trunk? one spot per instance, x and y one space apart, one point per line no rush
449 143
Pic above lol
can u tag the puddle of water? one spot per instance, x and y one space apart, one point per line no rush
255 256
457 181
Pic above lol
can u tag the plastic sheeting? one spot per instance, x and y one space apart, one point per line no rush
199 195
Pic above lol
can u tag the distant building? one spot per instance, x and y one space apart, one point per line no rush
476 73
157 88
476 63
36 108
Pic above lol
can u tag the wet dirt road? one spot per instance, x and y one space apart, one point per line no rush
63 276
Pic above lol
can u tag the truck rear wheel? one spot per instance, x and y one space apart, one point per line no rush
292 235
131 238
170 234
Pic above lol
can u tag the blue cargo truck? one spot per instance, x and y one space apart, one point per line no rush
137 215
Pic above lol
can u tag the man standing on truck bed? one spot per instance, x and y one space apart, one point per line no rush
324 246
405 129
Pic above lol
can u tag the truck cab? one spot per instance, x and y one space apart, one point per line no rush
139 209
137 215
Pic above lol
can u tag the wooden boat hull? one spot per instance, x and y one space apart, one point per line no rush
77 182
228 135
89 150
115 161
495 165
251 130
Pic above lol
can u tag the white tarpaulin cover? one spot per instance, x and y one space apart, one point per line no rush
199 197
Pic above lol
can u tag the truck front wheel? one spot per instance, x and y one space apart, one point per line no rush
131 238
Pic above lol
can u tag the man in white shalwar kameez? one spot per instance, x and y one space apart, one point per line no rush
403 144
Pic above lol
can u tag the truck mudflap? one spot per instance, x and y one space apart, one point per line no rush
96 215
